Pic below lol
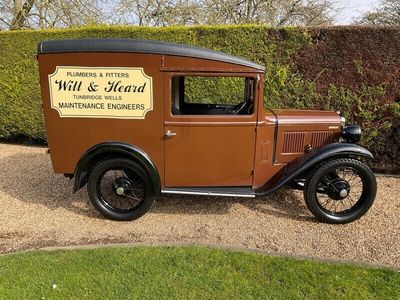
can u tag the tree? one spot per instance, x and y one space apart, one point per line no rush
20 14
159 12
42 14
189 12
386 13
272 12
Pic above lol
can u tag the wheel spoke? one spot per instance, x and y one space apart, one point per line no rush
352 200
115 178
134 189
333 206
342 204
344 174
330 183
138 182
358 182
132 197
352 177
327 200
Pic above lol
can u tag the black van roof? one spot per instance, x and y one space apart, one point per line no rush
140 46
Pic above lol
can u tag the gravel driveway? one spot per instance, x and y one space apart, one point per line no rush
39 210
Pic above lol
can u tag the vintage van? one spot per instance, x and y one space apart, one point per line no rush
132 119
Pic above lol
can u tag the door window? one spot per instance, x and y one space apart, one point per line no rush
197 95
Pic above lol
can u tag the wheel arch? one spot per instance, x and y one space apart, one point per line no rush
310 160
113 149
328 152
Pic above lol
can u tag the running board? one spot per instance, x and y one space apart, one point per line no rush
212 191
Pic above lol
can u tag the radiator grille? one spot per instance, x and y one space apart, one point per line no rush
321 138
293 142
296 142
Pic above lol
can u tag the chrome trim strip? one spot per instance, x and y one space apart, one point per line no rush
207 193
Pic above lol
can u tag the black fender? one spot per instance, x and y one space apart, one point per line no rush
107 150
309 161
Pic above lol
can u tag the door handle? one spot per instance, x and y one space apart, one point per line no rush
169 133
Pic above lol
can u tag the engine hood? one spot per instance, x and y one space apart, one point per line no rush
295 116
301 131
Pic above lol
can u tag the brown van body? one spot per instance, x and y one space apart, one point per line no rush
260 151
243 146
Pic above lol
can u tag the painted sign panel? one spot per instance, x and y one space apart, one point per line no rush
101 92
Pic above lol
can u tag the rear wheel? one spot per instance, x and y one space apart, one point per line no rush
120 189
340 191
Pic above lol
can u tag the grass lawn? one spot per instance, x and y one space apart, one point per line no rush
185 272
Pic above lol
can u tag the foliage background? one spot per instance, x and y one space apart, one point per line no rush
214 90
352 69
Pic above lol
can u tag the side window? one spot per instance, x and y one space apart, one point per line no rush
196 95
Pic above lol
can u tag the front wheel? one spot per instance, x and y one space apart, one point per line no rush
340 191
121 189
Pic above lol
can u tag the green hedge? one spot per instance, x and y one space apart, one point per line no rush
352 69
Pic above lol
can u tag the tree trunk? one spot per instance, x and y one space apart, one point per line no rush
21 13
42 14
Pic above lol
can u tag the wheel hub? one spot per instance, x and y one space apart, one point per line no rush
343 193
121 185
339 189
120 191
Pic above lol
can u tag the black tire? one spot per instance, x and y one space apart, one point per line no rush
326 183
133 179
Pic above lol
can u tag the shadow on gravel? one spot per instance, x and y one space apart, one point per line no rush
283 204
30 178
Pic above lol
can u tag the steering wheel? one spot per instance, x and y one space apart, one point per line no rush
238 108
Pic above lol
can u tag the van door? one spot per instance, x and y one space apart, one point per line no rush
209 124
